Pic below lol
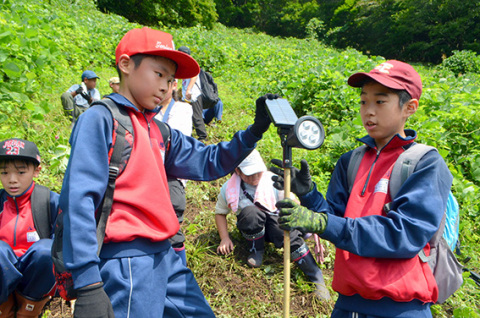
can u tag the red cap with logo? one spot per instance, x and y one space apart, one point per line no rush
392 74
155 42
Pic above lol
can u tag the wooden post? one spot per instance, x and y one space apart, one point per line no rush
286 253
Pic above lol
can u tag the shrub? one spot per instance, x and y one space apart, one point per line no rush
462 62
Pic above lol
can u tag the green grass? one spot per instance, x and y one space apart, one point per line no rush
43 50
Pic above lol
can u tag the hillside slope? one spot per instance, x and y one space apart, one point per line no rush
44 48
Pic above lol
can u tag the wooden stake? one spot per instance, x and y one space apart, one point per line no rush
286 253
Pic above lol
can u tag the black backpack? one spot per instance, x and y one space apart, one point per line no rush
62 276
209 96
40 202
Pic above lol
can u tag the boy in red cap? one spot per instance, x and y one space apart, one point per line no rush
26 276
377 270
138 272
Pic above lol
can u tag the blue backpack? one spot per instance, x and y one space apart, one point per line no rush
442 261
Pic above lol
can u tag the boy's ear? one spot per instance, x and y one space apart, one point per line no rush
411 107
36 171
124 62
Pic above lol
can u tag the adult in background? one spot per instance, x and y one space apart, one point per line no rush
114 83
78 97
215 112
191 90
178 115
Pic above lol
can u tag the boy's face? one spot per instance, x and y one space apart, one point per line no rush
381 113
17 176
90 83
252 180
147 85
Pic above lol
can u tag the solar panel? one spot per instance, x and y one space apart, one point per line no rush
281 113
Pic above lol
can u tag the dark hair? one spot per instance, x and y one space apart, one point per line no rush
138 58
403 95
15 161
175 95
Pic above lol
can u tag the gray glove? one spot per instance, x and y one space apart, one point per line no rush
301 181
93 302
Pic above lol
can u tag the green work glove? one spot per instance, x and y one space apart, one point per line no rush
301 181
297 217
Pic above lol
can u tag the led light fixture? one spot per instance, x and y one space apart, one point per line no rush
306 132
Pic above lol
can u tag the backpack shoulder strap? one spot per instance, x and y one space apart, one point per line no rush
40 203
124 125
120 114
353 164
405 165
165 131
200 75
3 198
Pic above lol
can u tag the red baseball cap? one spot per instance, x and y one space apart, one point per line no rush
155 42
392 74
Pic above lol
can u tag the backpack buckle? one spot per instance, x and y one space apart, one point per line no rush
112 173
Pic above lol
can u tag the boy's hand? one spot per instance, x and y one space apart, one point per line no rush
225 247
297 217
262 120
301 181
92 301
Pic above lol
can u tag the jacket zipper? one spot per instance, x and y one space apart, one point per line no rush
16 222
148 125
369 174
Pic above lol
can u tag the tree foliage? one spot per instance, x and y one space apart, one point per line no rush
178 13
414 30
420 30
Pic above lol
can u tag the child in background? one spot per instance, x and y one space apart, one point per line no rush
251 195
26 276
378 272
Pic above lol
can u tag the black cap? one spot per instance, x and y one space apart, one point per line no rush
16 148
185 50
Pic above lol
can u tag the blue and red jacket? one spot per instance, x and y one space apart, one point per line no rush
141 213
377 269
17 228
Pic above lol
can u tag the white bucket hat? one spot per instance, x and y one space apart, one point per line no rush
252 164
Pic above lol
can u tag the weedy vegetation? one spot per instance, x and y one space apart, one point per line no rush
44 48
